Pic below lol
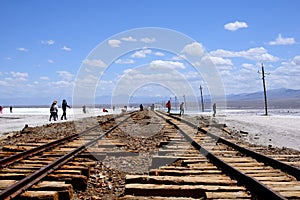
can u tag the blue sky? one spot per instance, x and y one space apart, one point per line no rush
45 44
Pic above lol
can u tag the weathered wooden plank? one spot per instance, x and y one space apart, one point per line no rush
44 162
203 167
6 183
131 197
195 191
247 164
283 183
79 182
239 160
159 172
265 174
30 144
5 154
65 191
40 195
23 171
164 190
69 171
12 176
16 148
181 180
272 178
85 170
65 149
290 194
228 195
32 166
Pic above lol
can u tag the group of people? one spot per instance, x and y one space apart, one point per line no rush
1 109
54 110
181 112
181 108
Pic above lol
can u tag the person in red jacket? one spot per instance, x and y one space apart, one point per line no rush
168 105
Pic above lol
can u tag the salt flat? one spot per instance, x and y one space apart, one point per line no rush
40 116
280 128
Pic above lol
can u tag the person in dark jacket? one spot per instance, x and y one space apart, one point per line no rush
53 111
64 106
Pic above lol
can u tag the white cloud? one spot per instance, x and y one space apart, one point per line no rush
22 49
7 58
159 53
129 39
248 66
233 26
50 61
65 75
220 61
194 49
48 42
141 53
61 84
126 61
65 48
19 76
44 78
4 83
282 41
287 75
148 40
163 64
114 43
258 54
95 63
296 60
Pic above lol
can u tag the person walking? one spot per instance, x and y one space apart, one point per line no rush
64 106
53 111
168 105
141 107
214 109
84 109
181 109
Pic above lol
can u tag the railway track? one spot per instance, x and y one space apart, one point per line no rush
197 164
187 162
24 165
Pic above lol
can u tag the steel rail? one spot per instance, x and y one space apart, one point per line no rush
252 184
22 185
291 170
19 156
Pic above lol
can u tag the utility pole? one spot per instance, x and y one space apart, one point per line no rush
202 103
264 85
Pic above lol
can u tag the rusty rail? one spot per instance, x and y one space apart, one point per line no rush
255 186
294 171
22 185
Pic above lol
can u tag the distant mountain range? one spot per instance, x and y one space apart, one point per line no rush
277 98
274 94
